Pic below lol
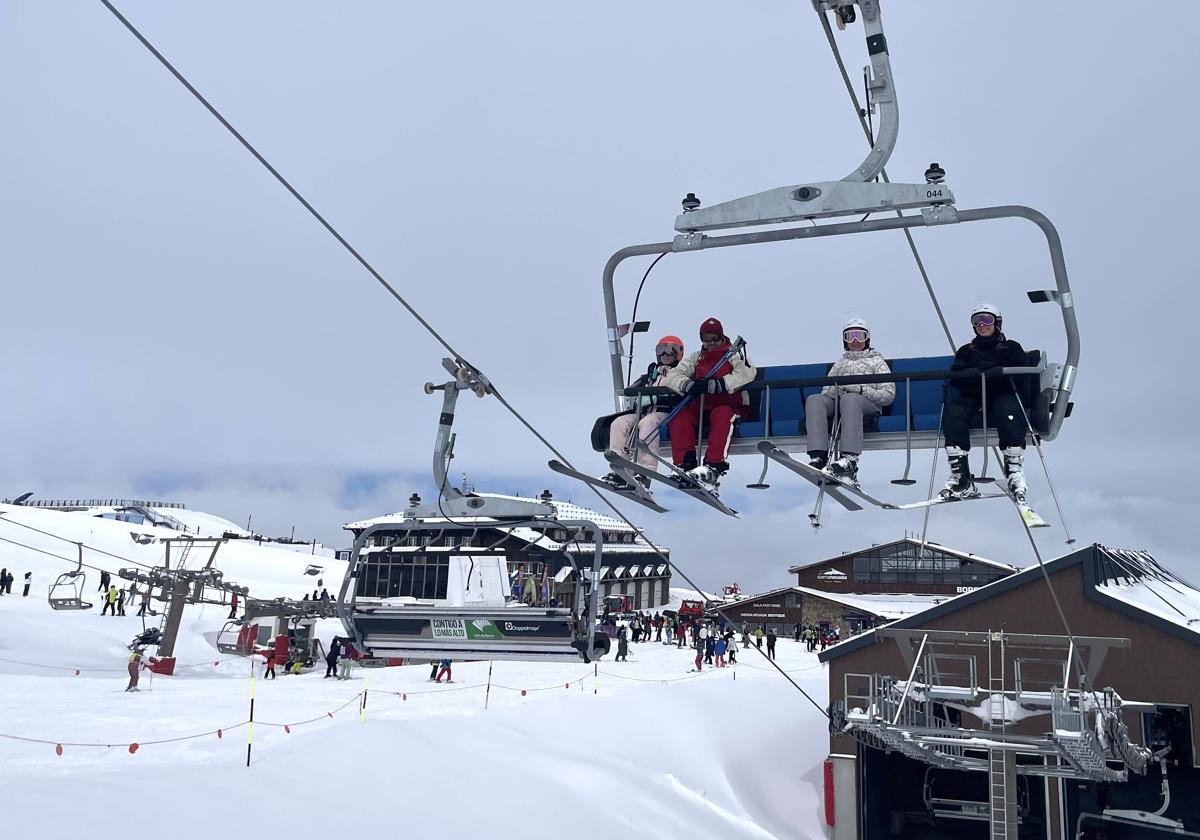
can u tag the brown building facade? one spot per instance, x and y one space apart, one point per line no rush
1102 594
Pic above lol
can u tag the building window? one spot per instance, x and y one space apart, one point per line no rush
905 565
388 575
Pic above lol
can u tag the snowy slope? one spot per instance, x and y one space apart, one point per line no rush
634 749
268 571
656 749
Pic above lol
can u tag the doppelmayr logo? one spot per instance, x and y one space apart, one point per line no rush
522 628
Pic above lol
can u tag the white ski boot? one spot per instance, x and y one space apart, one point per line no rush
845 468
960 485
1014 461
705 476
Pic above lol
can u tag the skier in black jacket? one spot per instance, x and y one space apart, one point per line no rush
989 350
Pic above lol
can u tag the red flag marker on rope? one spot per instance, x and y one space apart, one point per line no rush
220 734
133 748
329 713
77 672
58 749
403 696
522 692
287 729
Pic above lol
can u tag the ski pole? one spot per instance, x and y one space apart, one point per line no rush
1037 444
738 344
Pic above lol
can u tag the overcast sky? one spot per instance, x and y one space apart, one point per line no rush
177 327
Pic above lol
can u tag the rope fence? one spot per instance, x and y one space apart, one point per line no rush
360 698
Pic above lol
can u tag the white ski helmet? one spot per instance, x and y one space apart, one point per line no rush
856 324
990 309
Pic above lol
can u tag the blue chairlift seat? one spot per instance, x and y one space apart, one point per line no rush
782 407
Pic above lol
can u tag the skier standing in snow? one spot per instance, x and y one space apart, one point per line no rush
134 666
988 351
105 579
121 603
719 652
648 414
269 673
335 648
714 388
622 646
445 672
854 403
233 604
771 639
28 583
110 601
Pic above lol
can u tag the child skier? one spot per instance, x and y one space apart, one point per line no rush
713 386
854 403
649 413
990 349
135 665
445 672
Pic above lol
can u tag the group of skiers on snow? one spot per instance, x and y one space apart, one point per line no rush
712 381
6 582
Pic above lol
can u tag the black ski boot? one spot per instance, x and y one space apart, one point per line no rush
616 481
960 485
689 463
818 459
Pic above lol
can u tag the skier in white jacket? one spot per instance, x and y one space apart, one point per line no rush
854 403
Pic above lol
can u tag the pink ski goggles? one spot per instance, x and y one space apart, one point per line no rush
855 335
983 319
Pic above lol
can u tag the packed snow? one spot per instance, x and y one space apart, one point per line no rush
644 748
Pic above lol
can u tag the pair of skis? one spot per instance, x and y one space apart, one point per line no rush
634 491
844 492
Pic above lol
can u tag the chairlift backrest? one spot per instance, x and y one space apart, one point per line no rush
912 419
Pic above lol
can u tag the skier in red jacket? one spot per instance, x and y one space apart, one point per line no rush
714 387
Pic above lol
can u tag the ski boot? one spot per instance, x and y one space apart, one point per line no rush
960 485
818 459
1014 460
708 476
616 481
685 467
845 468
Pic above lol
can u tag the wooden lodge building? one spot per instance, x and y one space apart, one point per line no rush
1138 627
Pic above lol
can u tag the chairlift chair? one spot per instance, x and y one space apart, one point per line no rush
913 419
471 619
72 582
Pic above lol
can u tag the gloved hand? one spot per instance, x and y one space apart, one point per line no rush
695 388
852 389
716 385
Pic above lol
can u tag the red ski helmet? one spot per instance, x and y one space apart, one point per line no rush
673 340
712 325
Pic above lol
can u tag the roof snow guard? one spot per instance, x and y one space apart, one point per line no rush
1134 580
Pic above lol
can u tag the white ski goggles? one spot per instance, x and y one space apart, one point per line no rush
855 335
667 350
